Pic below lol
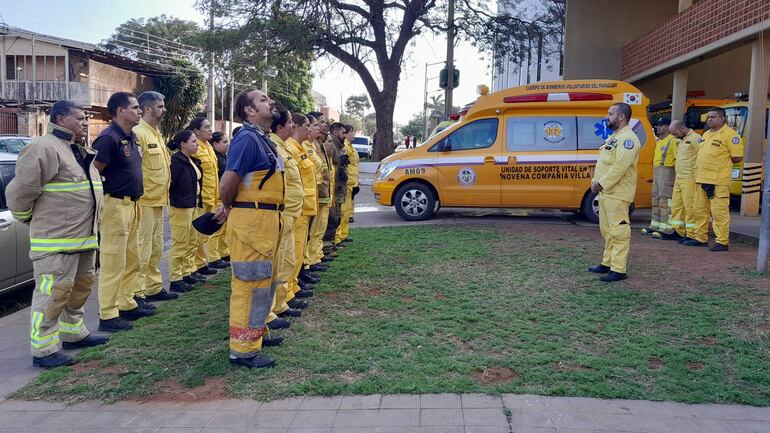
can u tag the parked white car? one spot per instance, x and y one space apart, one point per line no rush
363 145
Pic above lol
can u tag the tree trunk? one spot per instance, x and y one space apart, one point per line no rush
384 108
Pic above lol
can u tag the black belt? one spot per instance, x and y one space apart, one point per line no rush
252 205
121 197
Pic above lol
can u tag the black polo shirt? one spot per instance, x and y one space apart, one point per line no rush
123 158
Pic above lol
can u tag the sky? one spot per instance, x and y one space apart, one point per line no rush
94 20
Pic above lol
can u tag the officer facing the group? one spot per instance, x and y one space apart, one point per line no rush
662 179
252 193
683 198
156 163
615 182
58 192
119 160
720 148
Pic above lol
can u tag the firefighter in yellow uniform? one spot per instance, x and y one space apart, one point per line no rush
58 192
615 182
156 172
207 256
352 184
309 210
282 128
682 200
720 149
662 178
317 150
252 194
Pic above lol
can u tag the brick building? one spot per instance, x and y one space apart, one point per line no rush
668 48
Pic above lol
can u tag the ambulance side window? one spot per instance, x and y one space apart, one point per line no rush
541 133
475 135
593 131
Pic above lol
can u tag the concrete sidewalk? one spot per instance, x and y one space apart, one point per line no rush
426 413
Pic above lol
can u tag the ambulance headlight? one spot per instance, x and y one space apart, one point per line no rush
386 169
736 173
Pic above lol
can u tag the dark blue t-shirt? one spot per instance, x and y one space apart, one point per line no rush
123 160
248 152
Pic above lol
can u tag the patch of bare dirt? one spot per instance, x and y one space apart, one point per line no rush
695 366
333 294
495 376
562 367
655 363
439 297
171 390
372 292
97 365
347 376
707 341
459 343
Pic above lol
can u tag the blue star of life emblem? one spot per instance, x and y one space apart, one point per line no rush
602 130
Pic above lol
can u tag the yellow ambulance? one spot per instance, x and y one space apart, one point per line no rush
737 118
532 146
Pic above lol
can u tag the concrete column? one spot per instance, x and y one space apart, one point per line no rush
684 4
679 94
755 127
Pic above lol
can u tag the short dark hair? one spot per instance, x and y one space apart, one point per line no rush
217 137
311 118
316 114
348 128
624 108
196 123
243 100
281 118
149 97
179 138
298 119
118 100
718 110
236 129
336 126
63 108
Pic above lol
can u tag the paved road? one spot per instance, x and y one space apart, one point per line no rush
427 413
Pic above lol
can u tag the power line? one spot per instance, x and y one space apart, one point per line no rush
180 44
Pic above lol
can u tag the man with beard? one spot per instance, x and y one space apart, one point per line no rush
615 182
252 194
156 172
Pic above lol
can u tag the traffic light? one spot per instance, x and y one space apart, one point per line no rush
443 78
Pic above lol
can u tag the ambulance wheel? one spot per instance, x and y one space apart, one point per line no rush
590 207
415 202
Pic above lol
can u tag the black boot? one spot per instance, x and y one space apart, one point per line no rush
272 340
115 325
163 295
205 270
318 267
304 294
599 269
278 323
179 287
290 313
258 361
53 360
613 276
89 341
219 264
298 304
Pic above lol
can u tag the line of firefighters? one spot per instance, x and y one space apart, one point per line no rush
691 185
111 197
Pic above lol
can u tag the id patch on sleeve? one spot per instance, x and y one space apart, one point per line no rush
736 140
628 144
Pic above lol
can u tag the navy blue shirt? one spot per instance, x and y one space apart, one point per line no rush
123 160
249 151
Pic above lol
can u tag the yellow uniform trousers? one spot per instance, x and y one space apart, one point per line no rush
301 228
718 208
216 245
184 242
682 207
662 190
253 236
284 261
150 237
201 254
347 211
62 285
317 230
118 256
615 227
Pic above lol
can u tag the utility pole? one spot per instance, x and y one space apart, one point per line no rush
211 70
450 59
764 228
264 75
425 105
539 52
232 107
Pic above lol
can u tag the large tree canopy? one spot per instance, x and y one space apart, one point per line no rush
370 37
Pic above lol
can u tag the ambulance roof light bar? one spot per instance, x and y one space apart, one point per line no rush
559 97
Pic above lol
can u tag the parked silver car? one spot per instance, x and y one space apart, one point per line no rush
15 265
13 143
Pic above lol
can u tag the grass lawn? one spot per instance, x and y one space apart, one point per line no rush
492 309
